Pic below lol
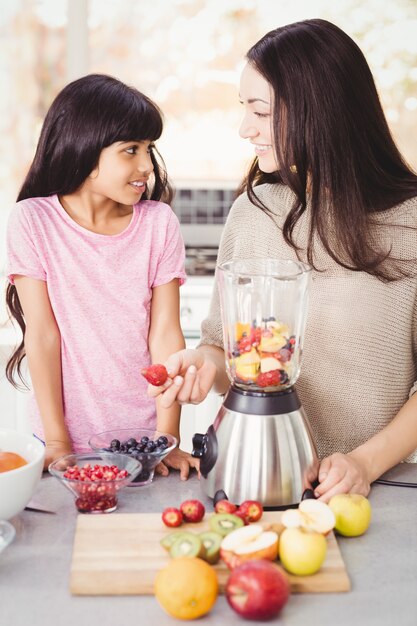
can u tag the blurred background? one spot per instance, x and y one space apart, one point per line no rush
187 56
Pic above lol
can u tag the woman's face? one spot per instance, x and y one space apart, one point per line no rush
257 97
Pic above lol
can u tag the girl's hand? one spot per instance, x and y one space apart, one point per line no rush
341 473
179 460
54 450
191 376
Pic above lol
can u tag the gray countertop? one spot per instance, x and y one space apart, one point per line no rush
382 565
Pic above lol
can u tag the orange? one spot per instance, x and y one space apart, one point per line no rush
186 588
10 461
240 329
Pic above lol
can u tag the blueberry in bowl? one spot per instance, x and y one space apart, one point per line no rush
149 447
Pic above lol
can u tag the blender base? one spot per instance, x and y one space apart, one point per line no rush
258 450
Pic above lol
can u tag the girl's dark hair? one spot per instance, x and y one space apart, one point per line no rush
88 115
328 123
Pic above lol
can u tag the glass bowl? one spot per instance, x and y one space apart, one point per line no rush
133 442
98 493
7 534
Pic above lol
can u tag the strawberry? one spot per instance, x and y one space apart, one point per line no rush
269 379
155 374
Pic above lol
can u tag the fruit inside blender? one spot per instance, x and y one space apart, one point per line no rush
262 355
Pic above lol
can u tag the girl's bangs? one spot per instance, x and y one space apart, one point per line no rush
139 123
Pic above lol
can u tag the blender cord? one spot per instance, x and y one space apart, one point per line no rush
394 483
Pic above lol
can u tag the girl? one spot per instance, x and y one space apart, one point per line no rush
328 186
95 261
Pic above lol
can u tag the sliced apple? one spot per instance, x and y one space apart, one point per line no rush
248 358
311 515
272 344
249 542
269 364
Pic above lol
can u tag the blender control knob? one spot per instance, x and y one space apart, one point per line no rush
308 494
199 445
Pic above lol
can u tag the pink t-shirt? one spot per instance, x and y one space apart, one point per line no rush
100 288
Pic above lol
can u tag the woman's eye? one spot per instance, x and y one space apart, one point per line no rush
151 147
132 150
261 114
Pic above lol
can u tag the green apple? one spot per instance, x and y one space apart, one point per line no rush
352 512
302 552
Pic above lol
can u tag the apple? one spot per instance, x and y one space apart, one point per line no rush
192 510
172 517
352 512
247 543
242 516
257 590
302 552
224 506
310 515
252 510
270 364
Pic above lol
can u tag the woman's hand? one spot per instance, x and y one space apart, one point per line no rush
54 450
341 473
191 376
179 460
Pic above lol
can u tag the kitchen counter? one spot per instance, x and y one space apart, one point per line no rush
382 565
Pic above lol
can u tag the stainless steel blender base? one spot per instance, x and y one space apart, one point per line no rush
269 458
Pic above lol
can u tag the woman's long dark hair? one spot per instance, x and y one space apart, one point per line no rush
88 115
328 123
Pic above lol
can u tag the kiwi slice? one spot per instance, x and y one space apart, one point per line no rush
211 542
224 523
169 540
187 545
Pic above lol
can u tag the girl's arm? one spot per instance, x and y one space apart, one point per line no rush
354 472
43 351
165 337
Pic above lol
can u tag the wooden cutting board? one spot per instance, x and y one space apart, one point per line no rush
120 554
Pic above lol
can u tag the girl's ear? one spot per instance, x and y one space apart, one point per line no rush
93 174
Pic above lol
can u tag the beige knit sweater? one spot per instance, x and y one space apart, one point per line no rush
360 353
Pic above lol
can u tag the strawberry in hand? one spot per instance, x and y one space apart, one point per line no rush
156 375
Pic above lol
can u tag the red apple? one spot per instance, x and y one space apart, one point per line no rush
257 590
192 510
252 510
172 517
224 506
242 516
248 543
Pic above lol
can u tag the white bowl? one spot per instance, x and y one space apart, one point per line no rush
18 486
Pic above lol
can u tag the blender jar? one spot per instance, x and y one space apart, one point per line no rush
264 308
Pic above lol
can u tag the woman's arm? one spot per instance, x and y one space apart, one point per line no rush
43 350
354 472
192 374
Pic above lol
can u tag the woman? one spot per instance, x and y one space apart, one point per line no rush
328 186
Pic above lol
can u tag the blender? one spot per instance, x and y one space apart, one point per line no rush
260 445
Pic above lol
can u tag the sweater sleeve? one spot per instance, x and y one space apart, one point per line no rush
413 389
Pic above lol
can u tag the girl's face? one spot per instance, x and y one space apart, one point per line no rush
122 172
257 97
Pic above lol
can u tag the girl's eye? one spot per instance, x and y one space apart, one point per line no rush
261 114
132 150
151 147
